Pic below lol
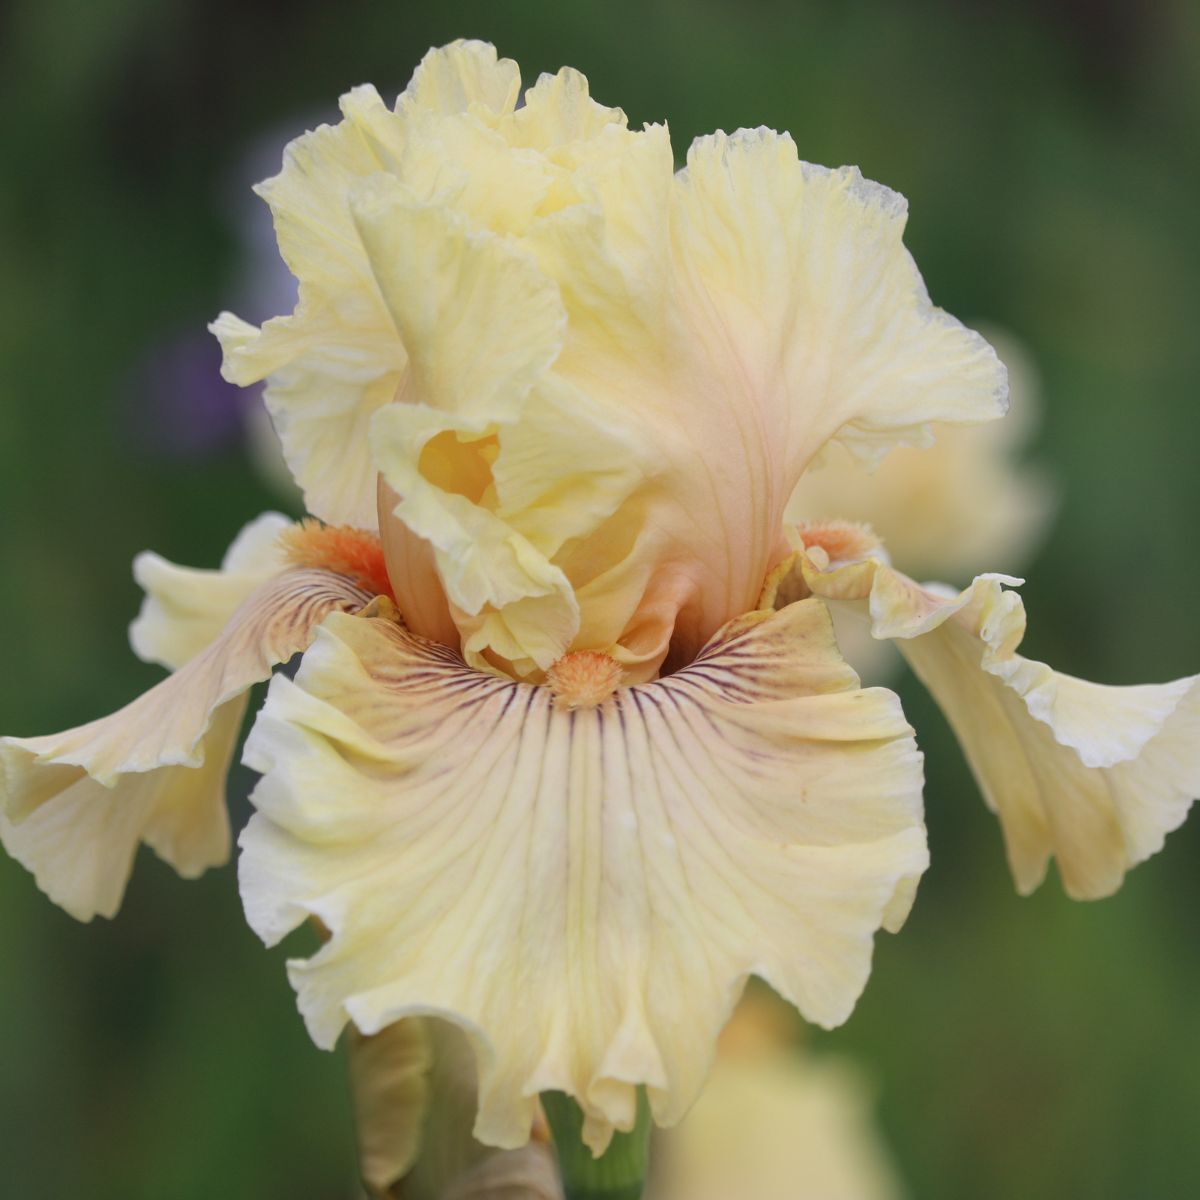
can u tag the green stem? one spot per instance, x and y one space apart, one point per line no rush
619 1173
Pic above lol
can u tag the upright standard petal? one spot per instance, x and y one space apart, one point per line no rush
484 454
583 891
76 804
800 275
948 511
592 384
336 359
1093 775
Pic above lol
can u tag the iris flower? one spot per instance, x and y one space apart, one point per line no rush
571 752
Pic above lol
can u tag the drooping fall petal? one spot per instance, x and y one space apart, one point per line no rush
185 608
1093 775
78 837
583 891
76 804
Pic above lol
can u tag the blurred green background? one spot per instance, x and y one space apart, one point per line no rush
1022 1048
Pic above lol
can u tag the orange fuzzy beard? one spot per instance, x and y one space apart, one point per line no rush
347 551
843 541
584 678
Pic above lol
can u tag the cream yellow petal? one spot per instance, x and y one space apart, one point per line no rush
78 838
610 253
322 423
186 608
1095 776
703 335
489 324
779 1127
950 510
308 197
802 272
464 165
550 497
559 111
77 803
583 892
463 76
545 488
481 323
328 375
486 568
336 359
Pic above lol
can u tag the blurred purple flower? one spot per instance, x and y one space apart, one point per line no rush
181 407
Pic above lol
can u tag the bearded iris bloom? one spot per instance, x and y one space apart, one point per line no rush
571 752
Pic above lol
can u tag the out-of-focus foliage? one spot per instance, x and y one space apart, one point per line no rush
1033 1048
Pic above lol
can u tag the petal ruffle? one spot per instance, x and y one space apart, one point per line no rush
77 803
336 359
325 382
464 76
583 892
447 288
78 838
1093 775
799 273
950 510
